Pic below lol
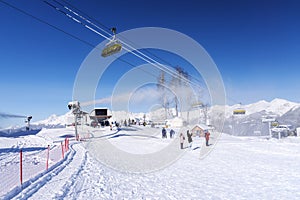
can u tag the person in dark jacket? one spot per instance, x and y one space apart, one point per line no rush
172 132
190 139
164 133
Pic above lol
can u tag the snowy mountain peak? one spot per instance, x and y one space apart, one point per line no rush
280 102
56 120
281 106
276 106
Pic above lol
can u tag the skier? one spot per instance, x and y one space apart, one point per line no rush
190 139
182 138
207 134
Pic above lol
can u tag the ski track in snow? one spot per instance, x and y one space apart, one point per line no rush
238 168
59 184
33 185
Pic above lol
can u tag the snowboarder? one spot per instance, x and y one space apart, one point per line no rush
207 134
164 133
190 139
182 138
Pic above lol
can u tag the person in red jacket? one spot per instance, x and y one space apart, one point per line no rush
207 134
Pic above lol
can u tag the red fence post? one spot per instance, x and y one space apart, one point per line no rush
67 144
62 150
47 162
21 167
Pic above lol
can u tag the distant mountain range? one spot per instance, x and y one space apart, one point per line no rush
285 112
275 107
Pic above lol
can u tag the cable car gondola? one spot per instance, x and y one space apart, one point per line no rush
112 46
239 111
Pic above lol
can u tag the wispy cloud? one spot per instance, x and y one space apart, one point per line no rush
6 115
148 95
138 96
96 101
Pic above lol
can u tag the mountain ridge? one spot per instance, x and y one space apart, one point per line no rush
251 123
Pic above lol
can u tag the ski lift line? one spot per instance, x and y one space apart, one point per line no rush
146 50
73 36
169 64
106 28
56 28
44 22
102 35
111 35
70 5
87 20
97 32
162 67
83 18
70 10
58 9
167 70
166 62
80 22
157 64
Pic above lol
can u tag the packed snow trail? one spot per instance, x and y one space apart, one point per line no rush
237 168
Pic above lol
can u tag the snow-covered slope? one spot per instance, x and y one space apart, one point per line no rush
238 168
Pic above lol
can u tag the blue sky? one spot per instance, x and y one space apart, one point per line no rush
255 45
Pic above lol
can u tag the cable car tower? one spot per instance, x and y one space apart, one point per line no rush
75 107
28 122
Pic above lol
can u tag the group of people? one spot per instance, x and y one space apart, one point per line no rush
182 137
190 139
164 133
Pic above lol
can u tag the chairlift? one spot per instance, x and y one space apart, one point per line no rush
112 47
239 111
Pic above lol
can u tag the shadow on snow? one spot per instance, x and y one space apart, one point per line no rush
19 133
25 149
